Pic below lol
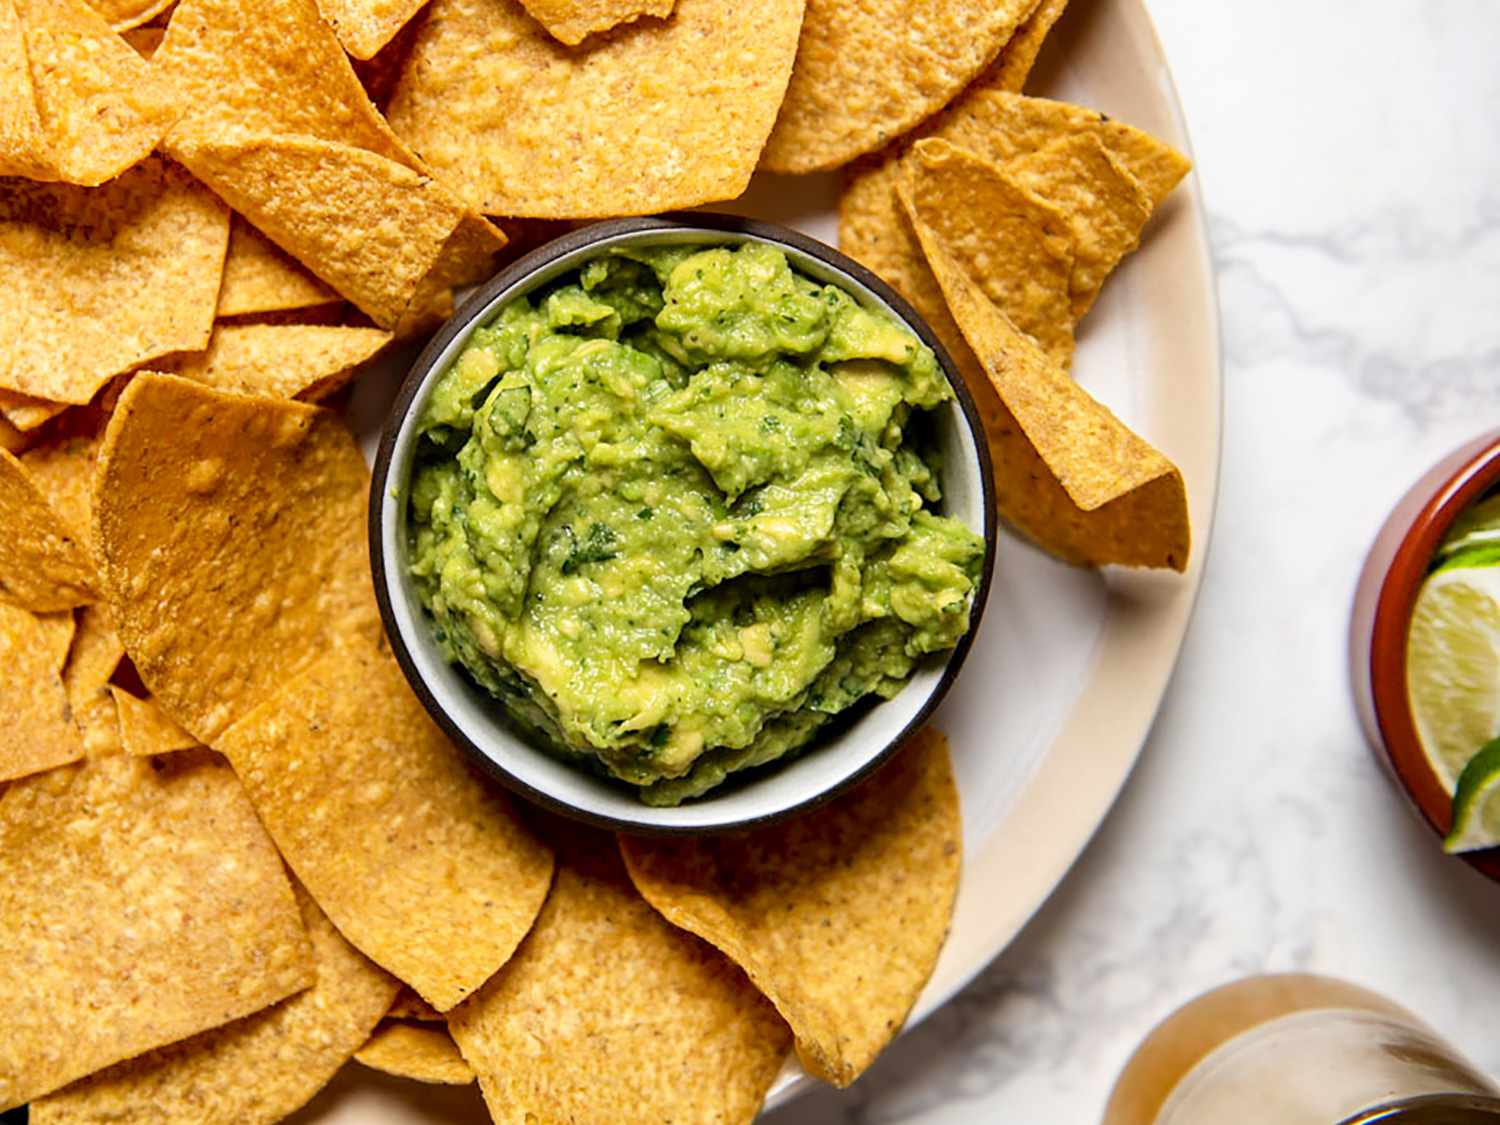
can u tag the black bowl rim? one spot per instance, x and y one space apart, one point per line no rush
462 321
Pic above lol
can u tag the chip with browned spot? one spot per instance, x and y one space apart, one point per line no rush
837 916
572 21
145 729
36 733
607 1013
253 1071
44 562
100 280
259 277
421 1052
869 71
139 904
656 115
306 361
1068 473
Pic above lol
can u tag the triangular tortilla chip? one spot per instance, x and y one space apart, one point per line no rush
26 413
259 277
837 916
659 115
35 734
867 73
365 26
572 21
126 14
423 1054
64 473
95 656
258 1069
607 1013
138 905
146 729
1068 473
1013 65
306 361
44 562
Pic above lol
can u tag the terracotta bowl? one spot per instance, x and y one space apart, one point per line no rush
1383 603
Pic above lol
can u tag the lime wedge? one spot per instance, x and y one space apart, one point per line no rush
1479 526
1453 666
1476 803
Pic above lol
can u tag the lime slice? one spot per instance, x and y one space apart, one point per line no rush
1479 526
1476 803
1453 666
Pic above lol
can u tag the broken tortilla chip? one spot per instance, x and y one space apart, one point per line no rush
254 1071
1068 473
866 73
837 916
44 564
365 26
572 21
419 863
124 15
36 734
138 905
101 280
145 729
1016 245
409 1006
423 1054
259 277
95 655
307 361
664 1026
660 115
80 106
245 512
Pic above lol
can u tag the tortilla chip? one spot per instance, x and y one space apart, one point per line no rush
837 916
259 277
138 905
64 473
36 734
253 1071
99 281
87 108
44 565
1068 473
244 512
307 361
1104 206
420 864
145 729
607 1013
365 26
423 1054
26 413
866 73
572 21
1013 65
1017 246
660 115
95 655
409 1006
126 14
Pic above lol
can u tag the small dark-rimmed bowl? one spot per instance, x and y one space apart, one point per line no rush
476 721
1383 603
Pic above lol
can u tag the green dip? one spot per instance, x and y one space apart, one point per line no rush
675 511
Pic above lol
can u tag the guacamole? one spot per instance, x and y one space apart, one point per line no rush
676 511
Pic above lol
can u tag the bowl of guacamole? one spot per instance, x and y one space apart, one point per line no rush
682 523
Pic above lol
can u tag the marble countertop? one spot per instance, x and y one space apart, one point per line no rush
1350 156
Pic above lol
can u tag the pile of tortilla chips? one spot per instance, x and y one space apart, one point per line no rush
236 856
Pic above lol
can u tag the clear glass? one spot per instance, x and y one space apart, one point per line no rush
1298 1050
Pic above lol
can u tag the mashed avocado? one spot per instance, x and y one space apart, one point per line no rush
675 513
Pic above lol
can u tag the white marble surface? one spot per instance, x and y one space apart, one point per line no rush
1350 154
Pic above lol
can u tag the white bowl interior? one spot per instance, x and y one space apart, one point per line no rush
481 716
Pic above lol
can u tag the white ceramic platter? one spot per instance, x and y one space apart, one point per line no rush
1067 672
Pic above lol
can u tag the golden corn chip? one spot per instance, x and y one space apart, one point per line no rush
421 865
367 226
423 1054
409 1006
1068 473
145 729
1104 206
123 15
138 905
247 513
1005 237
259 277
365 26
95 655
77 104
837 916
307 361
44 564
35 734
100 280
64 473
607 1013
1013 65
26 413
868 72
254 1071
572 21
661 114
